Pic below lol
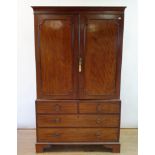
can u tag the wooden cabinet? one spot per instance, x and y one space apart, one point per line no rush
78 66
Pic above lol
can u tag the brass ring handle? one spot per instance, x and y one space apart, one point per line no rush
57 107
56 120
98 134
98 121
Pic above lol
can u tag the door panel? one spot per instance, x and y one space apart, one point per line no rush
99 41
57 36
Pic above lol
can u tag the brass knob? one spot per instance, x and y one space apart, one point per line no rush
119 18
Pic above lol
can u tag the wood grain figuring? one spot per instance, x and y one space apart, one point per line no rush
56 53
99 107
78 120
77 135
49 107
56 56
101 38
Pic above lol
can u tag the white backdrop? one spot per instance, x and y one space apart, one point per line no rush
26 59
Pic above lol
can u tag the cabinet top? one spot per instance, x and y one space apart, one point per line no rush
78 9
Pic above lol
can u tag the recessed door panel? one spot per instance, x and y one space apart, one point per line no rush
57 41
100 42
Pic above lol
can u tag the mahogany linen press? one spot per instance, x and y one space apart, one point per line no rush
78 66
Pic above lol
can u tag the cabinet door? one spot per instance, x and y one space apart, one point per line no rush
56 45
100 50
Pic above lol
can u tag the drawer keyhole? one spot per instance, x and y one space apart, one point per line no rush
56 135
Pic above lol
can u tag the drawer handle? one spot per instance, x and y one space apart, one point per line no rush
56 135
98 121
98 108
56 120
98 134
57 107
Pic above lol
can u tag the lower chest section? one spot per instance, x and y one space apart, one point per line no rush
78 121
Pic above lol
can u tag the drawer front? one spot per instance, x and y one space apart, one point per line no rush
56 107
77 135
78 120
99 107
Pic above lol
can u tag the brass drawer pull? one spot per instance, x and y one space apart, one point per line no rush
98 108
56 120
98 121
98 134
57 107
56 135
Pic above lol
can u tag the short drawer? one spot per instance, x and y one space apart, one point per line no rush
77 134
78 120
99 107
56 107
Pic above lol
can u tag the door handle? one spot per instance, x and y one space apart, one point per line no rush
80 64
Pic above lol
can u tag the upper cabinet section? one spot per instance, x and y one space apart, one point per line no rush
78 52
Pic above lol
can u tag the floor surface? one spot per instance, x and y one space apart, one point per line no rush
26 145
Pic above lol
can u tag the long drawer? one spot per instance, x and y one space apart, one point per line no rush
97 107
77 135
78 120
56 107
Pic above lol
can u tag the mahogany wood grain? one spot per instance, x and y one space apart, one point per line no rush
100 35
77 135
56 56
78 120
56 50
